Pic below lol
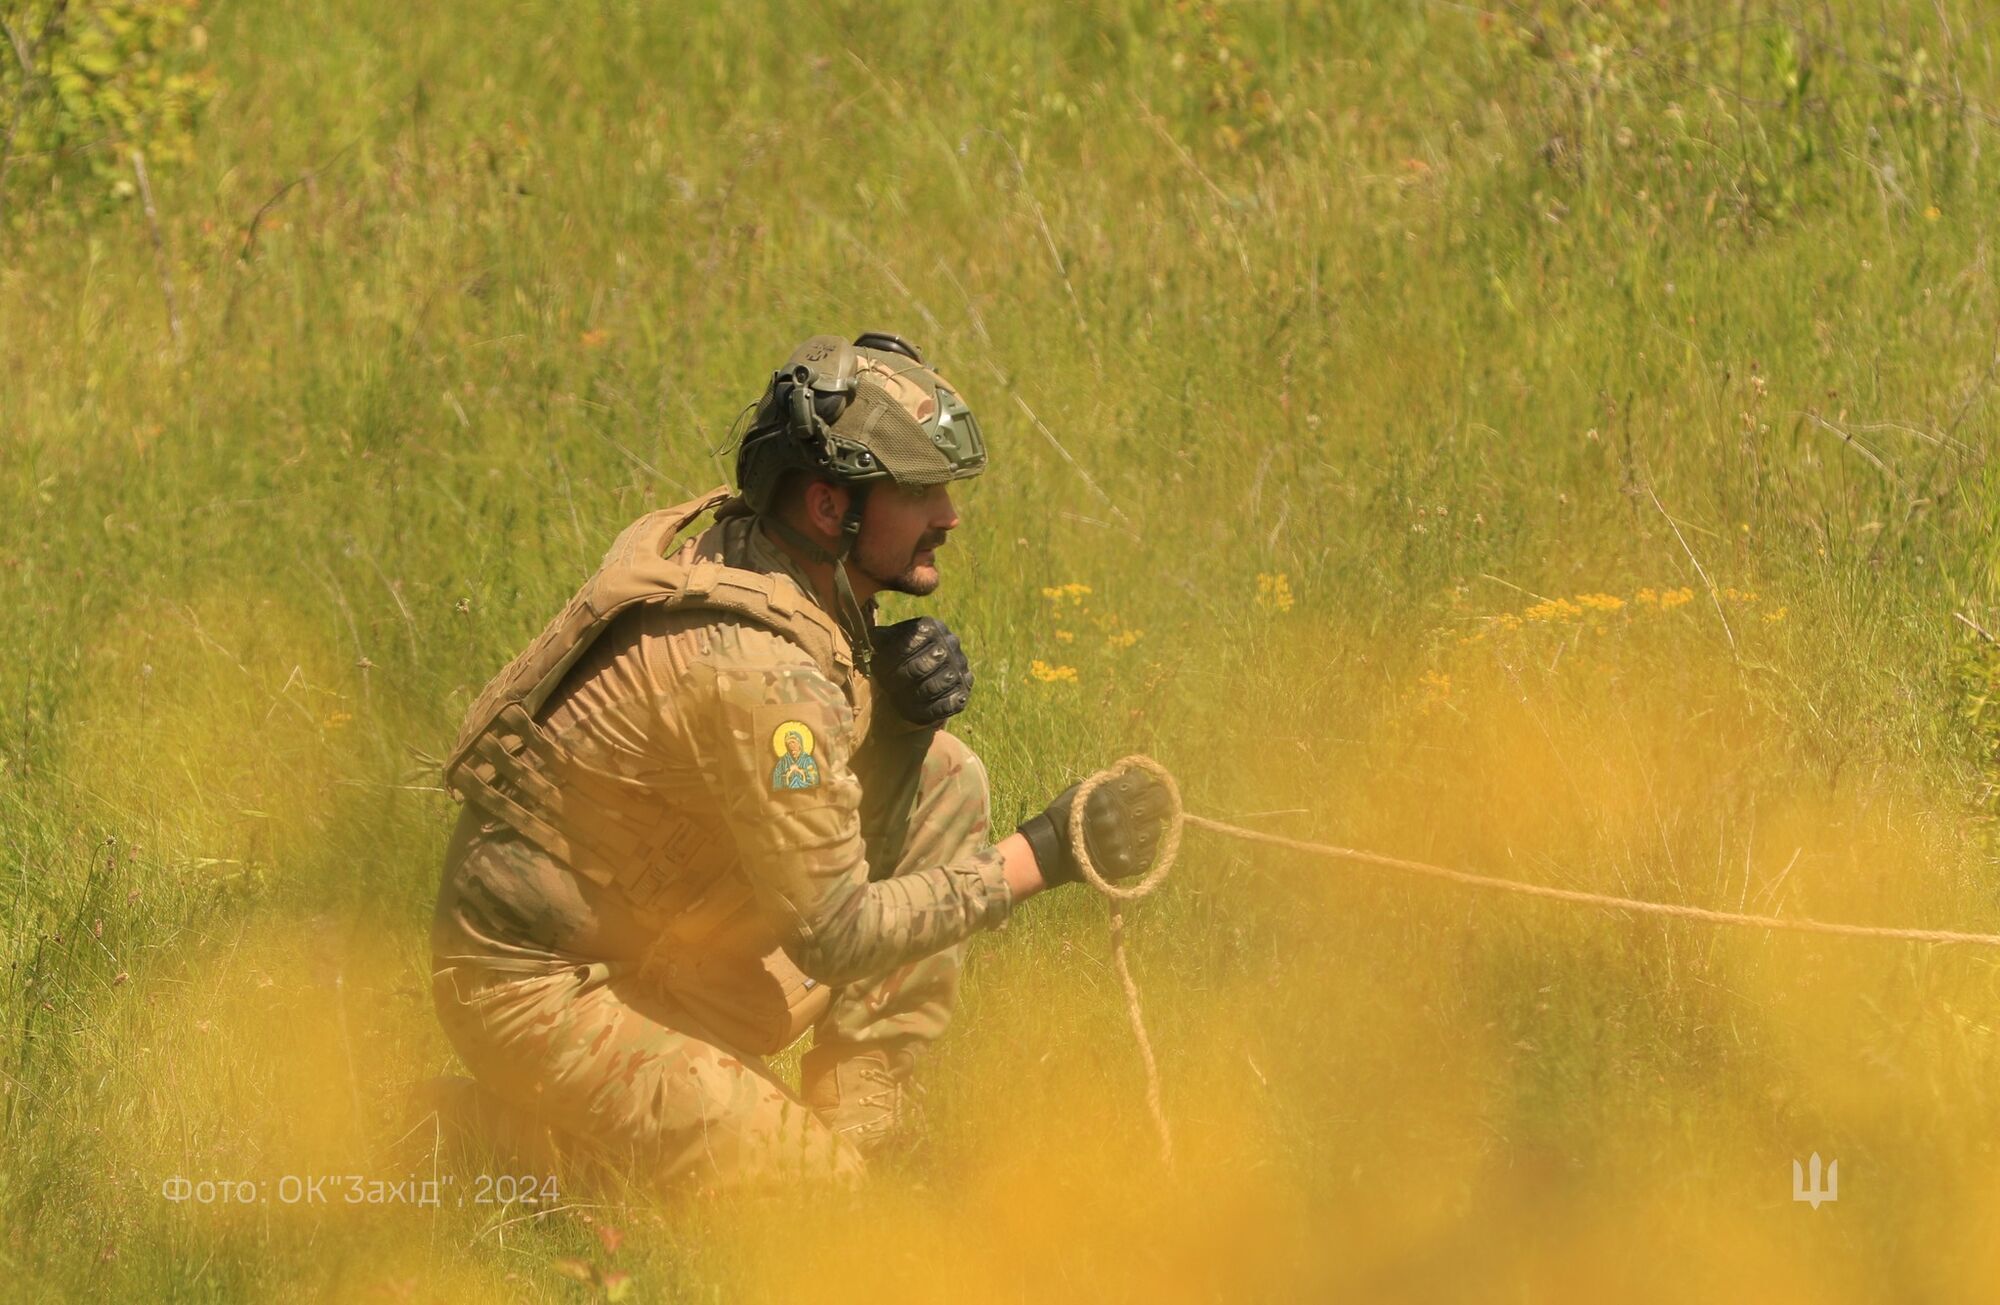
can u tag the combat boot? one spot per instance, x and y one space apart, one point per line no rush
865 1095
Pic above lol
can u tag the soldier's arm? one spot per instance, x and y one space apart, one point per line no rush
802 848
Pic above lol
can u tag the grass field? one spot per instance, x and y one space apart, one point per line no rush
1554 442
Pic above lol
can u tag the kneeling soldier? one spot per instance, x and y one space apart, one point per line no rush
713 806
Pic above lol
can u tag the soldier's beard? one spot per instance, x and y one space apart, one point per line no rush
915 579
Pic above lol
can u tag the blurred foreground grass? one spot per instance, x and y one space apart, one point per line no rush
1554 442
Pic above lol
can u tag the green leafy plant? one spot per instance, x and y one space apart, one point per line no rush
86 82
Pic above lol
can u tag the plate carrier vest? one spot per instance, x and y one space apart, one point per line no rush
513 771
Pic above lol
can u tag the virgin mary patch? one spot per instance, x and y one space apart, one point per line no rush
792 743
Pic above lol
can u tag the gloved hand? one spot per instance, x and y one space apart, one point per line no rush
1122 826
921 669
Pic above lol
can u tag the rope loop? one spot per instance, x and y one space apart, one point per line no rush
1170 842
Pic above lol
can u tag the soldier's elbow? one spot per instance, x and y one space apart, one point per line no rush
828 959
832 944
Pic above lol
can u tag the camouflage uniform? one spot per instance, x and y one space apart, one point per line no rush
649 889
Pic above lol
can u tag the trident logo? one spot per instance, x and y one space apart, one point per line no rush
1815 1193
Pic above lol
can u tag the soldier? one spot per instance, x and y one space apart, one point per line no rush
713 806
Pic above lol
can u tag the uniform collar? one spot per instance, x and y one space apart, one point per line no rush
764 555
761 553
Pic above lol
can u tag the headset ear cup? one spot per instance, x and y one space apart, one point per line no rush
799 408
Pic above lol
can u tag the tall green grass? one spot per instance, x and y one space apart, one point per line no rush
1439 314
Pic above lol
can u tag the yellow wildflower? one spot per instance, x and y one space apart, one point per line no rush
1675 597
337 719
1071 593
1274 592
1601 602
1507 621
1553 609
1437 685
1064 636
1048 674
1647 598
1124 638
1775 615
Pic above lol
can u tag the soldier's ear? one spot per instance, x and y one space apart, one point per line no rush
826 507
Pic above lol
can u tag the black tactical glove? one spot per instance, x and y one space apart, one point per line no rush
1122 826
921 669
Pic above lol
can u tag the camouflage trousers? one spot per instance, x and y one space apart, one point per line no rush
609 1068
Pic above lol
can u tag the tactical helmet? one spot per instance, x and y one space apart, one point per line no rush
857 413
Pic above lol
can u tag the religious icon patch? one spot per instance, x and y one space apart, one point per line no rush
792 742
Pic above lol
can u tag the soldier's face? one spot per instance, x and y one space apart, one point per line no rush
901 530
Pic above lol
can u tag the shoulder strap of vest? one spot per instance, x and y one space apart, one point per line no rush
647 538
771 601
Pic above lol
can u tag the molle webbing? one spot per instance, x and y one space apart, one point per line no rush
518 775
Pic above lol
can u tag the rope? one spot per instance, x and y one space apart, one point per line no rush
1170 845
1117 896
1603 900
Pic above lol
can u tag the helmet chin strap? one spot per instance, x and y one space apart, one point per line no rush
853 619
